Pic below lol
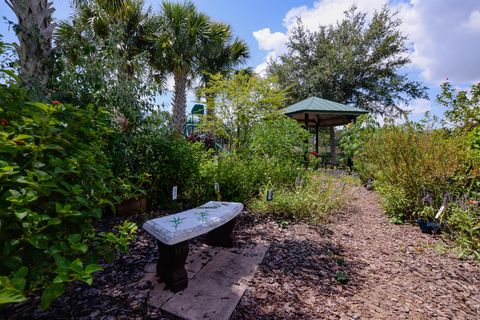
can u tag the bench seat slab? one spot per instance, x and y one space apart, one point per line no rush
188 224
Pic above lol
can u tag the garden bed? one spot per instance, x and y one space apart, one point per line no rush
390 271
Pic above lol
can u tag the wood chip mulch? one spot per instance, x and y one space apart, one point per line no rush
354 265
393 271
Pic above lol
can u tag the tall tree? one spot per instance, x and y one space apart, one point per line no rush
95 21
223 56
102 58
241 101
35 33
355 61
184 35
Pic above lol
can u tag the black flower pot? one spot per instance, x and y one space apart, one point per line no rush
429 226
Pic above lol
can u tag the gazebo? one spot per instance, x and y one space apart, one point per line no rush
316 113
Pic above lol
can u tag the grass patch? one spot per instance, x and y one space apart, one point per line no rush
310 200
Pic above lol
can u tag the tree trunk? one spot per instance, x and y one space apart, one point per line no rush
35 32
210 99
179 102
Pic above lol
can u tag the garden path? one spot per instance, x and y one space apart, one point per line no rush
394 271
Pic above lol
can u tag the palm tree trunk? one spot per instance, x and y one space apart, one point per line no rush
210 99
179 102
35 33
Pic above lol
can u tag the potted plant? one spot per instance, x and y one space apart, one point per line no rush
425 220
131 194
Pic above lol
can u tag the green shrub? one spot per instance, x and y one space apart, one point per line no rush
274 155
395 202
464 228
278 137
408 159
309 201
54 181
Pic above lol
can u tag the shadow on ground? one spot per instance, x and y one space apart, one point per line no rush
303 268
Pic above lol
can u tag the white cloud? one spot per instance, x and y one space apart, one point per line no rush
473 22
419 107
271 41
261 69
444 35
327 12
170 82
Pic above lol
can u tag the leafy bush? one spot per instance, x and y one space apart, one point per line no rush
396 202
308 201
464 228
54 180
278 137
241 176
406 160
273 155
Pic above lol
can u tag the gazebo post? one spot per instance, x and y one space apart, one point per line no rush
316 135
349 160
306 142
332 144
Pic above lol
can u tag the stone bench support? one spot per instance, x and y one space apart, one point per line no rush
216 219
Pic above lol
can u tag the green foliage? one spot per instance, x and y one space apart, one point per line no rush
118 241
405 160
463 106
464 228
278 137
54 181
272 154
355 136
240 102
357 61
309 201
341 277
396 202
463 111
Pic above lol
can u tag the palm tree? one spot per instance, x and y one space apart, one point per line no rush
95 20
223 57
183 36
35 33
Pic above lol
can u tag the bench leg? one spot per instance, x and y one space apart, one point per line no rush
222 236
171 265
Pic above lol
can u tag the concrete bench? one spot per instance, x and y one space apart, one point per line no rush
173 232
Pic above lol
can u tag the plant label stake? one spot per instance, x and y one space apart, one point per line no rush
216 186
270 195
174 195
297 180
442 208
439 212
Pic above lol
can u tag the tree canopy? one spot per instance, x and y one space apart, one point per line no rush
355 61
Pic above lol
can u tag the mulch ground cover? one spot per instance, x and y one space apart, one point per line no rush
354 265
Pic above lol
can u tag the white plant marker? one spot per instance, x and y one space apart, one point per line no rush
174 193
440 211
270 195
343 186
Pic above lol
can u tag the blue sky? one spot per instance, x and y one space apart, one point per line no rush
444 35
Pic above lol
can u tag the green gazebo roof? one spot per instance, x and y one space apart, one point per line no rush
324 112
